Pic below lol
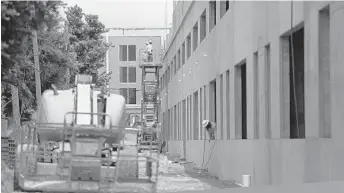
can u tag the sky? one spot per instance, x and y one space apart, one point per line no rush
130 14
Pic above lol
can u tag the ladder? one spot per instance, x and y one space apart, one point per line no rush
150 102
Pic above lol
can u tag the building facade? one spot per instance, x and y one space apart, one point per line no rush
123 61
271 75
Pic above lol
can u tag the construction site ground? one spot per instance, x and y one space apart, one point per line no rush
174 176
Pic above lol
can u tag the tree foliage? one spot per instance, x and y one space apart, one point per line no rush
18 20
88 42
65 48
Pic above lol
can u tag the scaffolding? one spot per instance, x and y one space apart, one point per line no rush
150 102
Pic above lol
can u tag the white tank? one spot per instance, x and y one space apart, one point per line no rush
54 108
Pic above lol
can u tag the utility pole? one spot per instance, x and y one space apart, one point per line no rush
15 108
37 72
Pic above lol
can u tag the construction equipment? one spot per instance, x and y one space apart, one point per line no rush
150 104
84 127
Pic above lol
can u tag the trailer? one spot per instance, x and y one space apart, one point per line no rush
83 131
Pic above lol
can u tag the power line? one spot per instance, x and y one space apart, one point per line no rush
137 28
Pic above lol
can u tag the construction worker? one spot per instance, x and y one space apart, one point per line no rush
145 53
210 128
150 51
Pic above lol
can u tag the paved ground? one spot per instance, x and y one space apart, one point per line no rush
173 177
178 177
319 187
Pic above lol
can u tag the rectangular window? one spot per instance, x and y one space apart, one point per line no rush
132 74
224 6
195 36
124 93
132 96
123 53
203 25
256 95
132 52
178 60
324 73
174 65
129 94
240 102
201 110
228 103
268 91
292 64
168 75
222 113
212 15
212 100
183 53
184 120
127 74
123 74
195 116
188 45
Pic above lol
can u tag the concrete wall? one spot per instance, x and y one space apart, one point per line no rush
246 28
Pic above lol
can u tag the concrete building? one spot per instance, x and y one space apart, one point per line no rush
231 62
123 61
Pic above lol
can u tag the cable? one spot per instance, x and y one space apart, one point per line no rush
293 68
211 153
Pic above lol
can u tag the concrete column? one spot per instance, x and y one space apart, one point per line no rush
232 105
284 88
261 93
337 70
311 76
276 89
218 117
224 104
250 100
199 114
237 102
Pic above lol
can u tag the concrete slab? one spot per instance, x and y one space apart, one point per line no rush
319 187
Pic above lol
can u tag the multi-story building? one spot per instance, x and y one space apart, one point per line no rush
123 61
271 75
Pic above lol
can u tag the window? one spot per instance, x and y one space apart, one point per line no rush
188 45
178 60
240 101
195 36
183 53
132 96
132 74
129 94
195 112
127 53
132 52
324 73
267 91
124 93
127 74
224 6
212 15
228 103
168 75
256 95
292 64
174 65
123 53
203 26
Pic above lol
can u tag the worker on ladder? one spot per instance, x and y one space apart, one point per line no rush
149 51
210 128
